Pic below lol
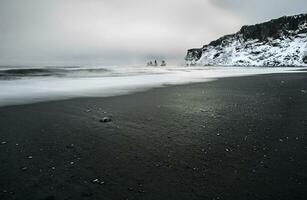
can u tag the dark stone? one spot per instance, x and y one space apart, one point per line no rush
23 168
71 146
105 120
305 59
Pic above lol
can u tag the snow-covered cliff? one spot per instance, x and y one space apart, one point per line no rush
279 42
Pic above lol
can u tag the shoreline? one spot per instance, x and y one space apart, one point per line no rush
233 138
34 89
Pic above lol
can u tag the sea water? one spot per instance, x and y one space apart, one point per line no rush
23 85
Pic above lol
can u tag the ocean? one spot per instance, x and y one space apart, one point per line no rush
24 85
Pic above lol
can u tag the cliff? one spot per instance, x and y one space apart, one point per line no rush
279 42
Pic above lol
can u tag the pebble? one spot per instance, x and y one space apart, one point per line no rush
105 120
96 181
24 168
157 164
141 191
30 157
3 142
303 91
71 146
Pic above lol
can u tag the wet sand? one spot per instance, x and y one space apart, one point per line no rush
235 138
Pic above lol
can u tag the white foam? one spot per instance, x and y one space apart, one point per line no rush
116 81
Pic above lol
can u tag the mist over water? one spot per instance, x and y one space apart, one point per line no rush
30 85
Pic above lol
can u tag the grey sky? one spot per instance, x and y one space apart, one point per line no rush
119 31
255 11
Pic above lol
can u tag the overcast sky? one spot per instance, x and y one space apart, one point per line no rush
123 31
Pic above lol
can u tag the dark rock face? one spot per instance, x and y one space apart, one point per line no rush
305 59
275 28
277 33
194 54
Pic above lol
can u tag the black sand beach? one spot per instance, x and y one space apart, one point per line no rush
235 138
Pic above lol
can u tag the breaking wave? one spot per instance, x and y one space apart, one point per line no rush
30 85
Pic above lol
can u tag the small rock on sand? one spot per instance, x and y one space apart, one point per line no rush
71 146
24 168
96 181
105 120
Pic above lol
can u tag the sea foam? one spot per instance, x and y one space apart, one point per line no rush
30 85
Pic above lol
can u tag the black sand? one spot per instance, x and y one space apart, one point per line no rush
235 138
